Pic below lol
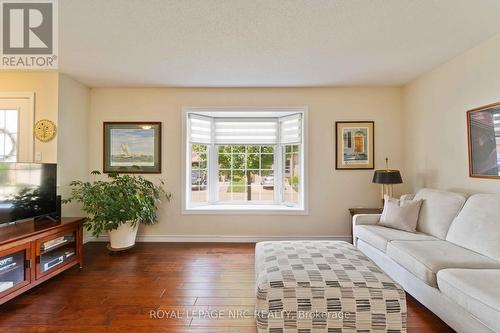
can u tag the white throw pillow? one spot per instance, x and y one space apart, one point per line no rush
400 214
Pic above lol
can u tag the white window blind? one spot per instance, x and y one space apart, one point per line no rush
200 129
291 129
204 129
246 131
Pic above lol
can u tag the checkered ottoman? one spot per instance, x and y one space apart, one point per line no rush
324 286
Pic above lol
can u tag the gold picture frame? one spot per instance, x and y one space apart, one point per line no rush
483 140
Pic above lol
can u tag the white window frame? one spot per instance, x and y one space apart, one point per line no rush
214 207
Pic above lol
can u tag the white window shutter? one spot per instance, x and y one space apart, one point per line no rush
291 129
200 129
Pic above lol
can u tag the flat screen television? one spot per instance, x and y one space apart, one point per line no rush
27 190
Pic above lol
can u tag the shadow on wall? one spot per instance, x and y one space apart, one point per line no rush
427 179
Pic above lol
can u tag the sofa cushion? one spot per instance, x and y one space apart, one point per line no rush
400 214
438 210
477 227
481 299
425 258
378 236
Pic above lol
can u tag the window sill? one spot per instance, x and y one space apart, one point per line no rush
245 210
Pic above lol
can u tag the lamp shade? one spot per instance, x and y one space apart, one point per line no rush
387 177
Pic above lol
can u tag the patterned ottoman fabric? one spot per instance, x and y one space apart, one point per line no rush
324 286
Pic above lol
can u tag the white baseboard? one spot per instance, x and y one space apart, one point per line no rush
219 239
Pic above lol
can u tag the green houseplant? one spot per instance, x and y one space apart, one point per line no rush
118 205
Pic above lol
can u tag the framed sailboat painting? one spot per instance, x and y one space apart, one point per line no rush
132 147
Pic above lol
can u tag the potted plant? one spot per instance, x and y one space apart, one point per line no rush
118 205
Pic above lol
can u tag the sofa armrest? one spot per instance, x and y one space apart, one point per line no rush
365 219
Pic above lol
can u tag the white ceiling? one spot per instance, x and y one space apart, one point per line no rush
234 43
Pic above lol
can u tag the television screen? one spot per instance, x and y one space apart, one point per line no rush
27 190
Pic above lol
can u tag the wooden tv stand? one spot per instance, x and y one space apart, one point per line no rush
32 252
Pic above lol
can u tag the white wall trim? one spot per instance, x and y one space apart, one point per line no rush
218 239
250 209
16 95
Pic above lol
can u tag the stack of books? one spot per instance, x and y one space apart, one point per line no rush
54 242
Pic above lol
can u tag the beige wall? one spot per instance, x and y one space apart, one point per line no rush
422 124
45 87
66 102
73 137
331 192
435 141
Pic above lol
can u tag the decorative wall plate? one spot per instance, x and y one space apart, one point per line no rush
45 130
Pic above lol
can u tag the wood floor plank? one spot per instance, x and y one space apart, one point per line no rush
218 285
225 301
223 322
116 294
242 330
210 293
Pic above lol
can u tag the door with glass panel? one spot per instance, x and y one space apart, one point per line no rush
16 128
15 268
8 134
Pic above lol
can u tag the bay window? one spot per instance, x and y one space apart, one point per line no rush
244 160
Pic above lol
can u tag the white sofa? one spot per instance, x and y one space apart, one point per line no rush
451 264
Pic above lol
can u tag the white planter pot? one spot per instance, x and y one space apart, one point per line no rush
123 236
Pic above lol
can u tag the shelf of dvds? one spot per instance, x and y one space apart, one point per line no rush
32 252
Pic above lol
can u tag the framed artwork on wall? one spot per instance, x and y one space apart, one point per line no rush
354 145
132 147
483 128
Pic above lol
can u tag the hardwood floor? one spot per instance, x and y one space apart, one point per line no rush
117 293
